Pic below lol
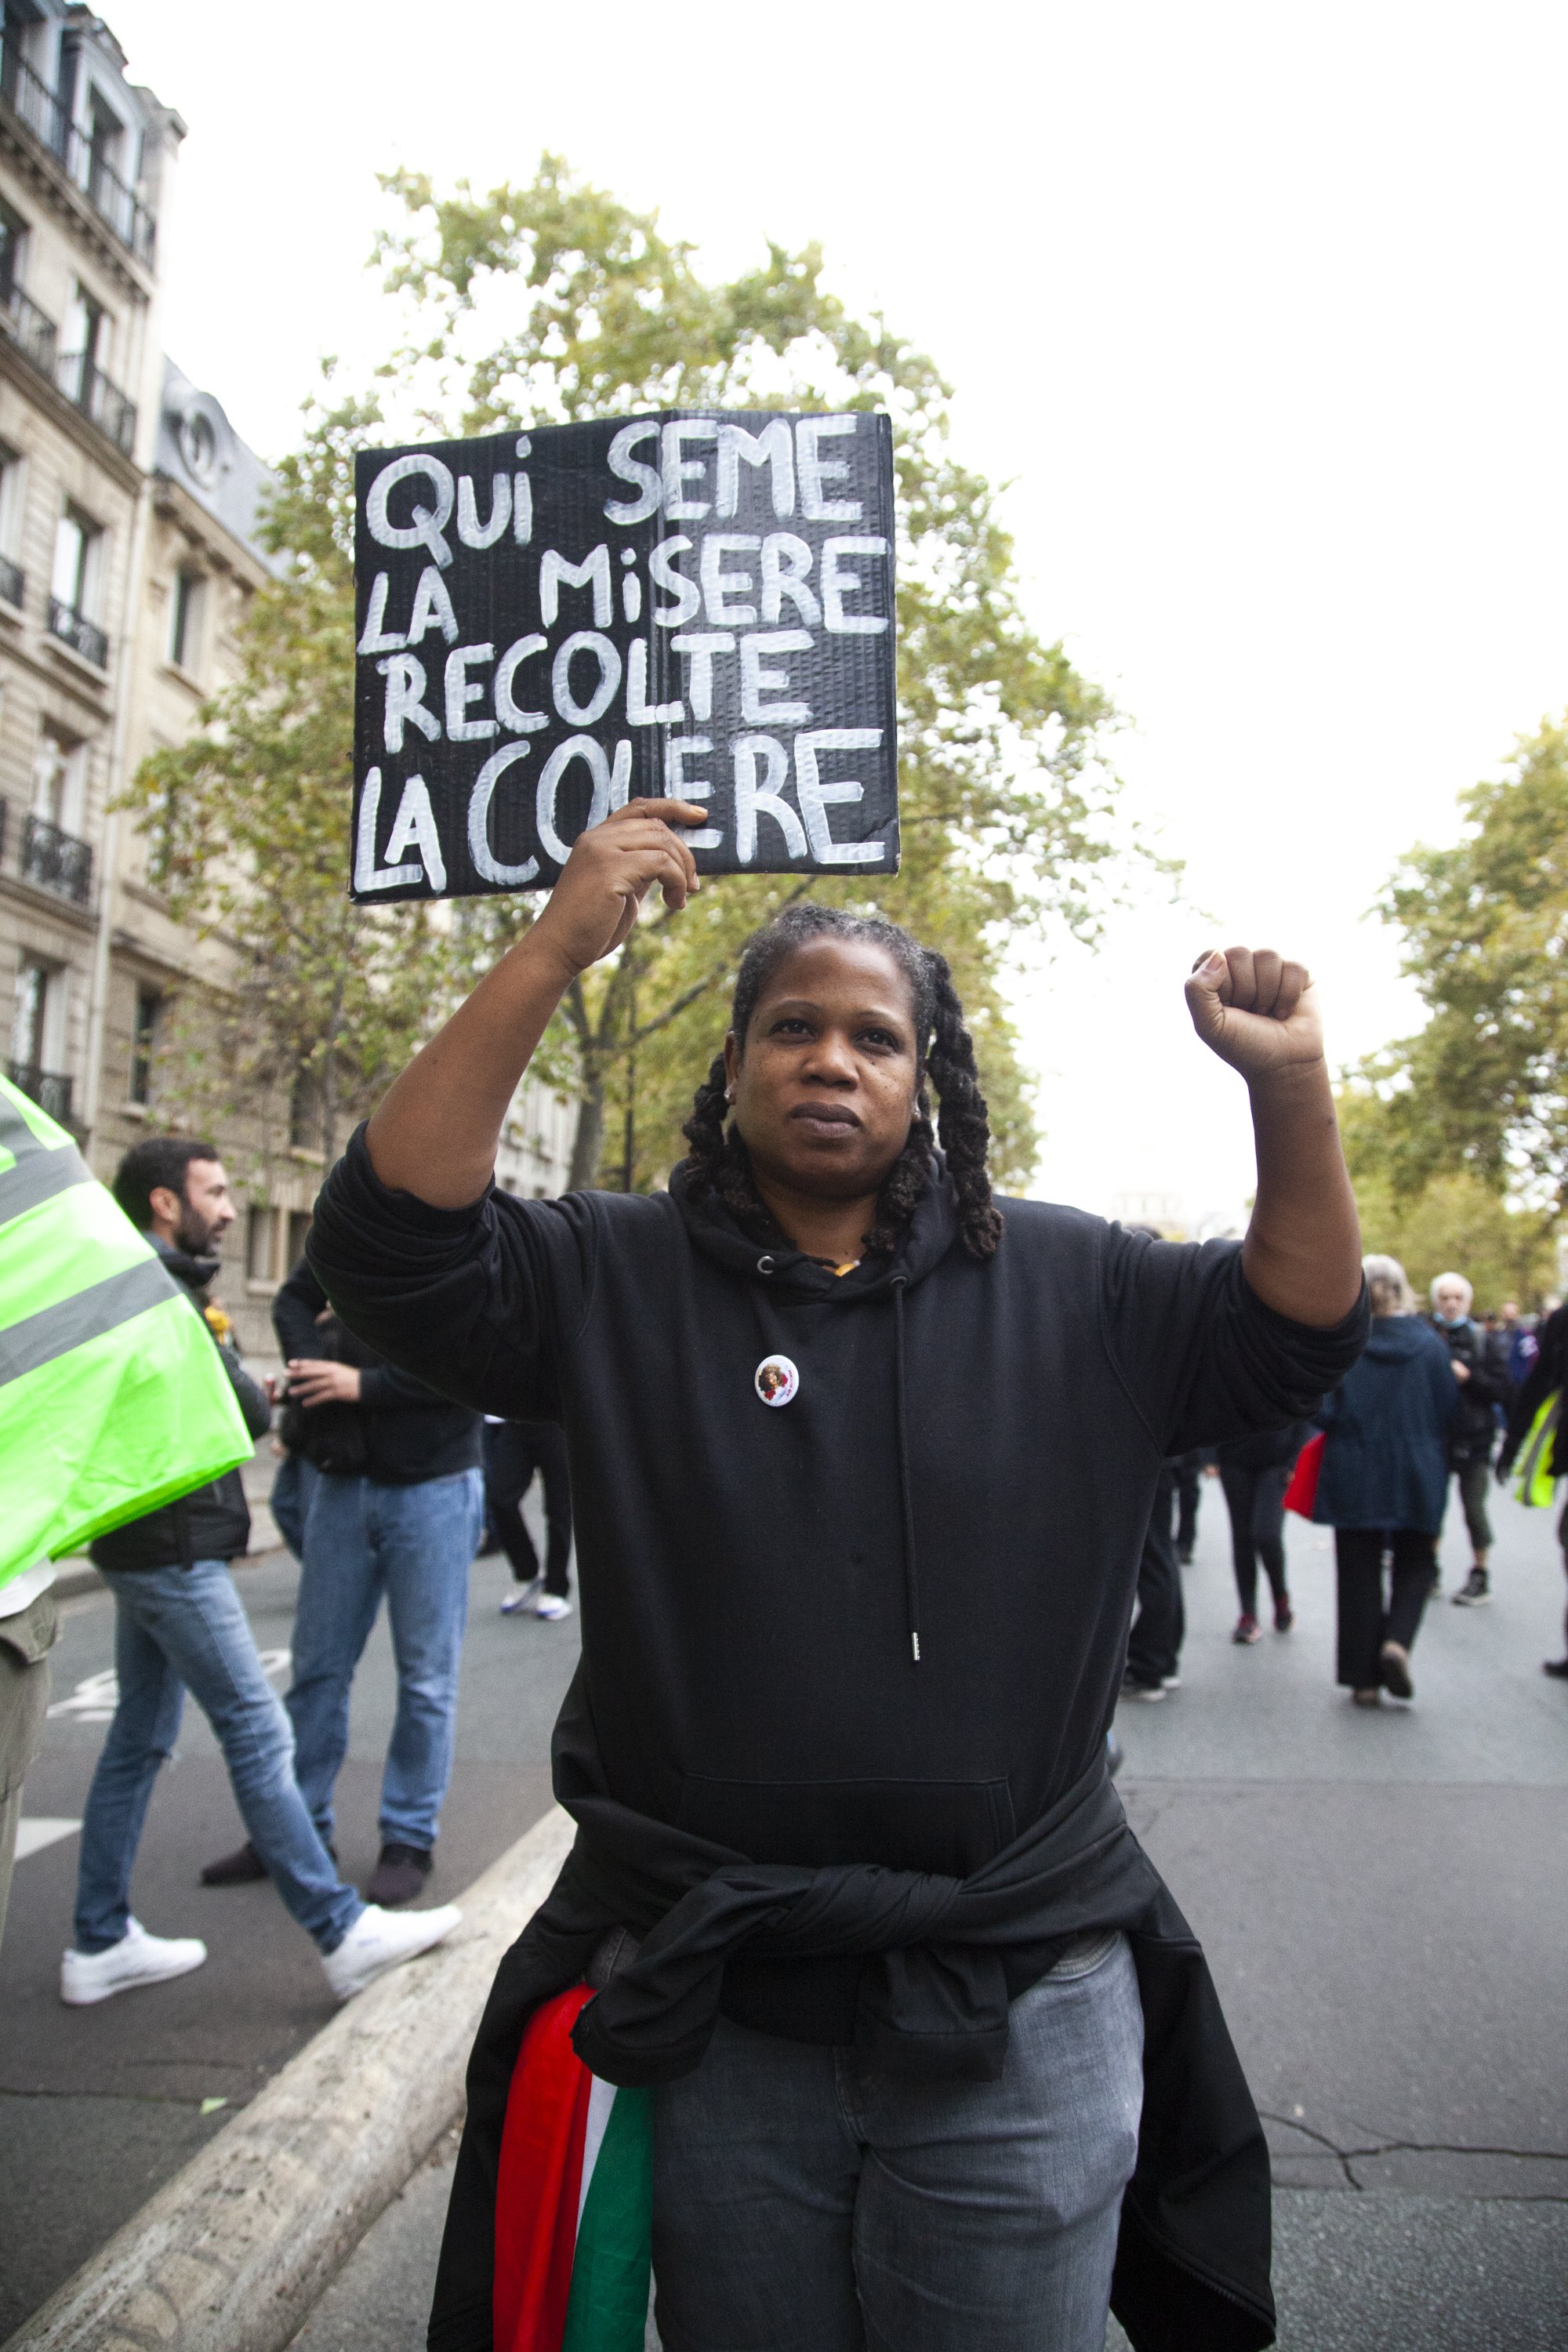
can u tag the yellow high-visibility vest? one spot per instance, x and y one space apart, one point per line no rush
112 1397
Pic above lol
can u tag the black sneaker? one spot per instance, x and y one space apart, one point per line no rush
1556 1667
244 1867
1475 1591
1394 1670
241 1868
399 1875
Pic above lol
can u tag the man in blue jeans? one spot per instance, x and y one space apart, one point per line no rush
181 1626
396 1509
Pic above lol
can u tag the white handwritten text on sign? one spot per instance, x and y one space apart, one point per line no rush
693 604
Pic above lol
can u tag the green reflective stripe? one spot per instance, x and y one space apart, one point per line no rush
55 1330
41 1177
24 1127
76 1239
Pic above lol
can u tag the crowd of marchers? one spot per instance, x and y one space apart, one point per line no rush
1442 1402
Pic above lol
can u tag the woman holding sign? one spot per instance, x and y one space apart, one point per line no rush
862 1460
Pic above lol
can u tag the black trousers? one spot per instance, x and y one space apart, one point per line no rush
1189 1490
1256 1501
1161 1623
1366 1619
513 1452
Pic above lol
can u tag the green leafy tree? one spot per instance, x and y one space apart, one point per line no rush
1455 1221
551 302
1483 1089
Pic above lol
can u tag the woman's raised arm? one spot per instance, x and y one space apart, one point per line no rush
435 1134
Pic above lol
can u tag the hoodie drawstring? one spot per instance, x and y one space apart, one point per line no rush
912 1574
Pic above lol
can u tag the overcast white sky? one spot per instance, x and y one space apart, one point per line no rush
1259 309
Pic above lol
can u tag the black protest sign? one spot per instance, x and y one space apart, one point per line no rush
697 604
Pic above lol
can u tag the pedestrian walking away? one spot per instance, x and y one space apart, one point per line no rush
1479 1360
514 1452
1382 1486
1254 1473
1154 1645
395 1511
180 1626
862 1462
1543 1381
1189 1469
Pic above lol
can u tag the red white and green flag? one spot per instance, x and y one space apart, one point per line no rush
573 2199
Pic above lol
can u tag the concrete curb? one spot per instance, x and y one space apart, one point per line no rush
232 2255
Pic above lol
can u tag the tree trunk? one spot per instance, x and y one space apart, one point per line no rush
588 1142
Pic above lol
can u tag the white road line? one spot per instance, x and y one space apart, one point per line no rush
35 1830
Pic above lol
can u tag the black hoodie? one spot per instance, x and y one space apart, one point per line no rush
883 1623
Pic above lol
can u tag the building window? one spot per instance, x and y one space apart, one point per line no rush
78 564
184 620
59 777
12 238
144 1044
85 336
260 1238
32 1019
11 580
305 1113
299 1230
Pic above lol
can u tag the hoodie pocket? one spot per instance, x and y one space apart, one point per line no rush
951 1826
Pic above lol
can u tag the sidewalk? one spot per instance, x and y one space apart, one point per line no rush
99 2106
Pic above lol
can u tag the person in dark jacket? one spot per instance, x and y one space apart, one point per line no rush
1189 1469
1382 1484
515 1451
1544 1376
862 1461
1479 1359
180 1626
1254 1473
1154 1645
396 1509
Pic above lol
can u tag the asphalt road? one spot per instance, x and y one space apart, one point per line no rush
1383 1898
98 2105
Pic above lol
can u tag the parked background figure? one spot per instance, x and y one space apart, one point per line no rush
1383 1486
395 1508
180 1625
1479 1359
513 1452
1255 1473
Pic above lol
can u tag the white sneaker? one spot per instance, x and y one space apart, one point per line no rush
138 1958
551 1605
520 1599
380 1940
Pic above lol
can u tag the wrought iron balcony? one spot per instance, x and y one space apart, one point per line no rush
47 1088
30 329
86 387
56 860
83 636
32 101
13 581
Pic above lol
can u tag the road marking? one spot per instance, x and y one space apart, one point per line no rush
95 1700
36 1830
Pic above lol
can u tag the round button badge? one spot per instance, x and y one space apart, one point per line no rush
777 1379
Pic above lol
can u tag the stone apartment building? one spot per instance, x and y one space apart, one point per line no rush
127 550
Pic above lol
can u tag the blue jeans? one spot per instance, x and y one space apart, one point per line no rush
180 1629
290 1500
414 1544
803 2201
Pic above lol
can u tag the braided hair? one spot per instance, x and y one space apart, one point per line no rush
944 1053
